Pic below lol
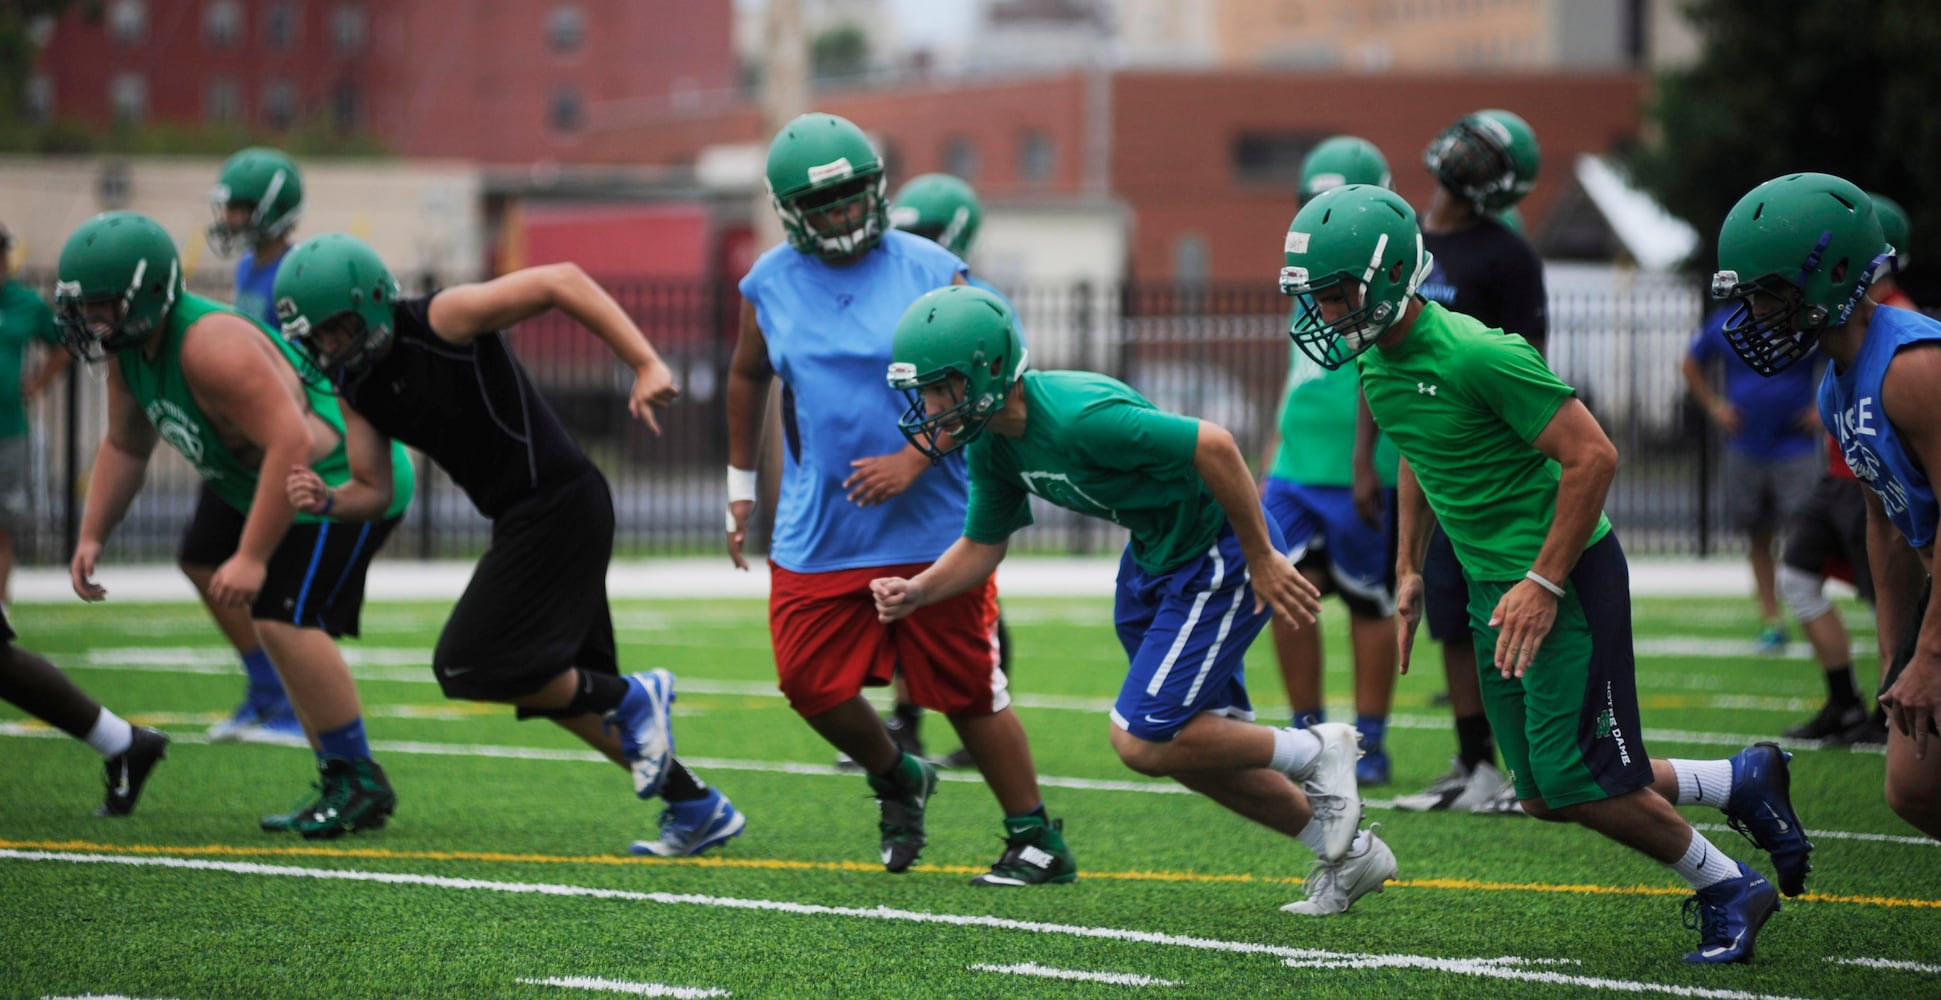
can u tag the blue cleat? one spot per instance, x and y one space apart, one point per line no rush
688 828
646 734
1373 769
1728 917
1760 806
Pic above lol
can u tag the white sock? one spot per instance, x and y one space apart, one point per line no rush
1704 865
1311 836
1294 751
1703 782
111 735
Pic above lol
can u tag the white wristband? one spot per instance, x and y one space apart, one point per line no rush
1533 577
741 484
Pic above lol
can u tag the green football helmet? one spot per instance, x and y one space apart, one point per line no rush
263 180
1797 253
1893 226
333 298
1358 246
1489 159
826 183
117 280
955 330
940 208
1340 161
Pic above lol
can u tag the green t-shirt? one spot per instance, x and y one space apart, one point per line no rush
24 319
1464 402
164 395
1094 446
1318 427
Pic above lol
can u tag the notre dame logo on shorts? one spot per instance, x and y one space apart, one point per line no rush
182 432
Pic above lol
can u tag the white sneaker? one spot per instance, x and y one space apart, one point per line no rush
1329 781
1332 888
1440 792
1483 790
1503 803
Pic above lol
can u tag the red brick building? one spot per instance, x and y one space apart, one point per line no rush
509 81
1206 162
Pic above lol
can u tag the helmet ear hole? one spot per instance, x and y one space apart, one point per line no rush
1839 273
1395 272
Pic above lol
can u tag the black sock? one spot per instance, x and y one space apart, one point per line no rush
906 718
1473 742
681 785
1840 691
598 693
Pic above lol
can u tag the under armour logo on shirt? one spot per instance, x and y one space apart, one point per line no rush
1425 388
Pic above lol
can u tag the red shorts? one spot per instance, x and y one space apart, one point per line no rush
828 643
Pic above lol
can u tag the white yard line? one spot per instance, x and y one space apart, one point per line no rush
1495 968
1888 963
635 989
1046 972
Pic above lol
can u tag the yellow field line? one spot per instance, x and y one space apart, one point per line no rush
783 864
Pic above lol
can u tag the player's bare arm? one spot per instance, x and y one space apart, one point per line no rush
223 332
464 313
748 377
1910 404
1574 441
962 566
1276 583
120 466
1414 524
242 388
368 493
882 477
1367 480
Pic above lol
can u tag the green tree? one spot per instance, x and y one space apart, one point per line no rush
1838 86
840 52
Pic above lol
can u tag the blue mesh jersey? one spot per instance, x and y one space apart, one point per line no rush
253 285
1850 403
829 332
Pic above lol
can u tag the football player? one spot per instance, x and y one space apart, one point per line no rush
1797 254
1202 568
228 395
858 502
1503 454
533 628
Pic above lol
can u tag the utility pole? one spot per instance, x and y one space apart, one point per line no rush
784 95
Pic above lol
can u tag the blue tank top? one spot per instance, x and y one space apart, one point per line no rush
254 289
829 331
1850 404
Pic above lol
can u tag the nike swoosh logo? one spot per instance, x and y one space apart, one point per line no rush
1157 722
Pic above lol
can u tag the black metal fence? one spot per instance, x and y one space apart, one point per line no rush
1215 352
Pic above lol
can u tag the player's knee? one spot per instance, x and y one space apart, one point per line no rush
1803 592
1537 808
1919 806
1145 756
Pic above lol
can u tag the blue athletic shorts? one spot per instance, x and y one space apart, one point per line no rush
1320 523
1186 633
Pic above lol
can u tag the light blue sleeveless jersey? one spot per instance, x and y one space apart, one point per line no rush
1850 405
829 331
253 290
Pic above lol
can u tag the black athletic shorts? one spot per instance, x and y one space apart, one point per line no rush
1831 524
316 575
537 603
213 532
1444 591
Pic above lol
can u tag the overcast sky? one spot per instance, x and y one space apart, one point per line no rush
930 21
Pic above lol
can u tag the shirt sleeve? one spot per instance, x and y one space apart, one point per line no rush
45 329
1710 342
998 506
1511 378
1123 435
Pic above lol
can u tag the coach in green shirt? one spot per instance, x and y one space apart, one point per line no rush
1503 453
24 320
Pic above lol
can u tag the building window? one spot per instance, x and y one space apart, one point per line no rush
1037 157
565 28
347 28
222 101
128 21
280 25
1271 157
960 158
40 98
1192 262
346 107
563 111
222 23
128 97
279 104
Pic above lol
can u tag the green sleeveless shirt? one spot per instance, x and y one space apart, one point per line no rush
163 394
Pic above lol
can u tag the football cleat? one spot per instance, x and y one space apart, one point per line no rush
646 733
1329 781
1332 887
901 808
1034 854
688 828
1461 790
1831 721
1760 806
128 771
353 796
1728 916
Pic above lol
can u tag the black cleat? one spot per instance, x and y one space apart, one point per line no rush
129 771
